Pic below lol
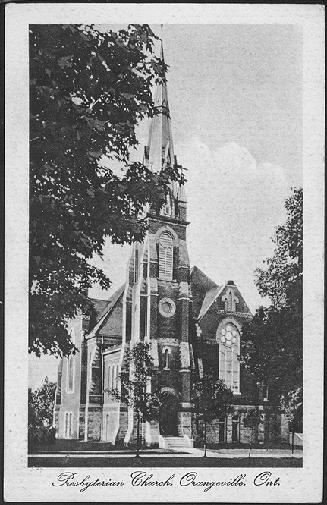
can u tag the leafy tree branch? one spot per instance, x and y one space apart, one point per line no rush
88 92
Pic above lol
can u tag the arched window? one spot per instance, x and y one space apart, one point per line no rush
109 377
70 373
166 352
136 265
116 378
166 251
166 358
68 425
168 208
230 300
113 377
229 350
70 365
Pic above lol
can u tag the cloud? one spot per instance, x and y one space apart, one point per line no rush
234 205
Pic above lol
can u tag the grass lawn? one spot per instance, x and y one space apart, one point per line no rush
175 461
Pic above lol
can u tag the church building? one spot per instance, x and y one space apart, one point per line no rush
190 321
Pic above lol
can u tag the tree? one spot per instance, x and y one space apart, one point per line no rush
40 410
252 420
135 387
88 92
272 341
292 406
211 399
281 280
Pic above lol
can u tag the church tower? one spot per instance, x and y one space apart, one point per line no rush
191 324
157 291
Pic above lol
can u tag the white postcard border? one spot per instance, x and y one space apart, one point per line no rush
35 484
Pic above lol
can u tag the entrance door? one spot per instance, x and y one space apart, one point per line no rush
169 416
235 429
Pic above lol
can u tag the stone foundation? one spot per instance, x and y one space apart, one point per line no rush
94 423
122 425
185 424
151 433
270 430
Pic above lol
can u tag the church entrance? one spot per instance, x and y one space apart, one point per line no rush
169 416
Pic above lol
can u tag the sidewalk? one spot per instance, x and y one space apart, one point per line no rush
243 453
185 452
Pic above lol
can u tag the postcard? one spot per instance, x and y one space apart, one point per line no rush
164 245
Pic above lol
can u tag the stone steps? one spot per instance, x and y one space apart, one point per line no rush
175 442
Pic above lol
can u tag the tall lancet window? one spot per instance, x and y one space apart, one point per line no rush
166 253
228 338
70 366
70 374
168 209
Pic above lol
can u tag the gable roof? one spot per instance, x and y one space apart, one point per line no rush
99 306
215 294
209 298
201 281
103 309
203 290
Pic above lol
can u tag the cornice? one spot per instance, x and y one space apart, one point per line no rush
166 219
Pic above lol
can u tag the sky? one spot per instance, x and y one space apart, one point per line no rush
235 96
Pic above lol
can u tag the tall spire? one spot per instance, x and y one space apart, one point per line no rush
161 148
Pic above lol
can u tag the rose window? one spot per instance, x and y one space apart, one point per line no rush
167 307
229 335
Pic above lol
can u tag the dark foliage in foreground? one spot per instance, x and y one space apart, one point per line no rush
88 92
272 343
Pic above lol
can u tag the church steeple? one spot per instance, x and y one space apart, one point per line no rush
160 149
160 144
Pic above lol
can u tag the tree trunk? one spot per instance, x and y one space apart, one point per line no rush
293 440
267 428
138 436
252 430
205 439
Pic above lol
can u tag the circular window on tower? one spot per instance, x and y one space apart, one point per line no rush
167 307
229 335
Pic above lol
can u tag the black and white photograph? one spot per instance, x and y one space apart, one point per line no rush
168 338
